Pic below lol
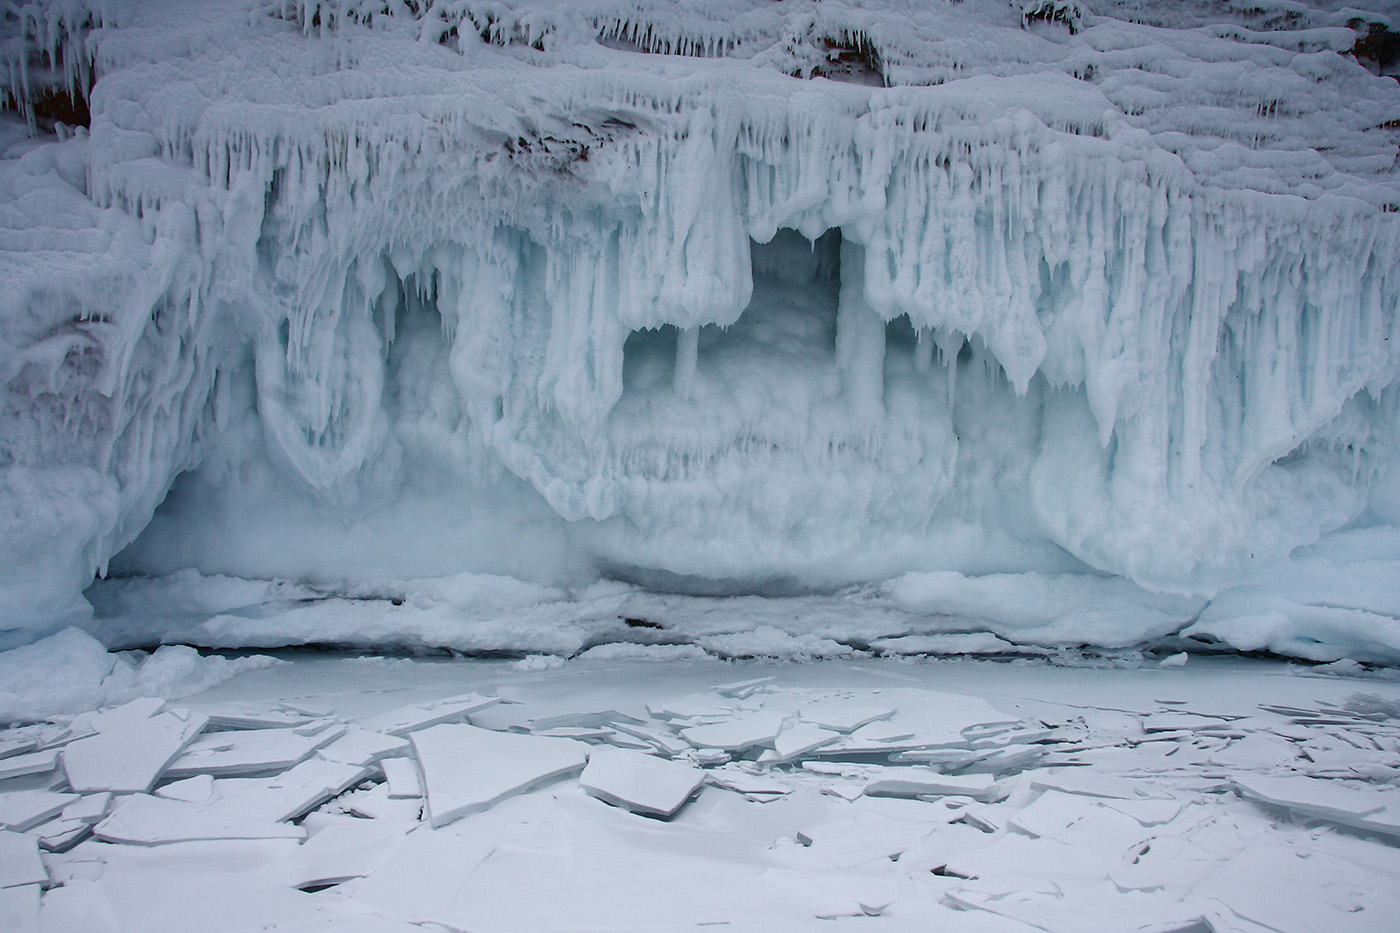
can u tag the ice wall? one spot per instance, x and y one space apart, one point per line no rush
722 294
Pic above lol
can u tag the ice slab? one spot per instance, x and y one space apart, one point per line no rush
402 776
11 745
88 809
1312 796
362 747
33 763
417 716
738 733
640 782
60 834
132 747
251 751
844 716
797 739
289 795
413 885
1282 887
19 861
743 689
913 782
247 716
340 849
1084 781
1077 906
376 804
143 819
24 809
208 900
852 840
466 769
198 789
19 908
693 706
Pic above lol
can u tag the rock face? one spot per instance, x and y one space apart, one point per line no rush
709 294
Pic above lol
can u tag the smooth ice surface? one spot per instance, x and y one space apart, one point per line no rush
1037 323
467 769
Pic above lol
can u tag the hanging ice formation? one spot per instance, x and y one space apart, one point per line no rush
721 293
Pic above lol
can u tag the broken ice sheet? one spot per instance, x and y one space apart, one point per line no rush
146 820
338 849
250 751
798 739
918 782
361 747
25 809
290 794
740 732
425 878
844 716
32 763
401 774
640 782
1280 887
417 716
132 747
466 769
1076 906
19 861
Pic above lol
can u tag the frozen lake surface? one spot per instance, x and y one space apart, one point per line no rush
1225 794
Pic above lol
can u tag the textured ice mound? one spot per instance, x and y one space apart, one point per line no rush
716 295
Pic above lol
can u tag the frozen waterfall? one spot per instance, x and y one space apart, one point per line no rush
720 297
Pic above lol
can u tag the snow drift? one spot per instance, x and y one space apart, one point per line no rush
723 297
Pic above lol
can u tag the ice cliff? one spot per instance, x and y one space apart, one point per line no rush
726 296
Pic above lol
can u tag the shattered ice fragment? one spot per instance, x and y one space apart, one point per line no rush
88 809
639 782
742 689
34 763
24 809
198 789
467 769
146 820
911 782
341 849
132 747
401 774
251 751
19 861
361 747
844 717
407 719
800 738
740 732
290 794
1174 660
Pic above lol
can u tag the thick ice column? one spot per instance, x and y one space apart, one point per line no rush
860 338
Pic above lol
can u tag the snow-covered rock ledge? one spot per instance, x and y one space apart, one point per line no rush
738 296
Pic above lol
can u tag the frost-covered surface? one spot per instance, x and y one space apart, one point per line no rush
1225 796
743 296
